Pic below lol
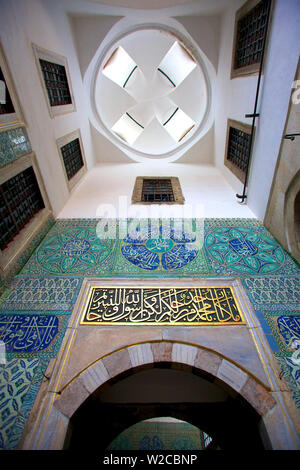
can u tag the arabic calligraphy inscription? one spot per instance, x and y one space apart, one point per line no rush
180 306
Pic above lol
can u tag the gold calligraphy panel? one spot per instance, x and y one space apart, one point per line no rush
156 306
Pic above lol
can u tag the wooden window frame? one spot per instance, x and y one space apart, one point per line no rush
9 255
252 69
138 189
241 126
64 140
49 56
15 119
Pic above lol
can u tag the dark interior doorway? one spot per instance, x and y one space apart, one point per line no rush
159 392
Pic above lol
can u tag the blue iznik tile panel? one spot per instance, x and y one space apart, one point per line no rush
27 333
14 143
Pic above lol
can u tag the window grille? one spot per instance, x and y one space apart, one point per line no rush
56 83
20 200
157 190
238 148
72 157
250 33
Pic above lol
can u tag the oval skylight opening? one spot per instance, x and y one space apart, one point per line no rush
145 77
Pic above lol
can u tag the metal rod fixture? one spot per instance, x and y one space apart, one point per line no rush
161 71
291 136
135 121
254 115
170 117
125 83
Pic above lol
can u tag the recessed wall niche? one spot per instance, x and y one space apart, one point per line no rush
55 80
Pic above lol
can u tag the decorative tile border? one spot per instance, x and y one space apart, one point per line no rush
42 294
274 290
14 143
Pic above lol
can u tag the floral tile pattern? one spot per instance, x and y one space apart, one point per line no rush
18 378
237 249
73 251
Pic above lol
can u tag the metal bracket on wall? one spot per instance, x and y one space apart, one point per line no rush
291 136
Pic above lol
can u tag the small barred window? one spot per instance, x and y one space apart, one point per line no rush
56 83
250 33
237 148
20 200
157 190
72 157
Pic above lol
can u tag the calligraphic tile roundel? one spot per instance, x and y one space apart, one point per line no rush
244 250
170 251
73 251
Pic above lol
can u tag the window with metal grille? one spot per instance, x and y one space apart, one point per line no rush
238 146
20 200
250 32
157 190
72 157
6 105
56 83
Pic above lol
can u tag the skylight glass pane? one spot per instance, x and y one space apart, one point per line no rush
127 129
119 67
179 125
177 64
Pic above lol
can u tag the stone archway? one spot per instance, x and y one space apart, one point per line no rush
170 352
50 431
292 216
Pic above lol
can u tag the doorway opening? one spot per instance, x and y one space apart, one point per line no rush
174 394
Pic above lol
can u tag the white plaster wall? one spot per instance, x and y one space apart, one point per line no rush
236 97
88 32
45 24
109 186
281 64
200 153
205 30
